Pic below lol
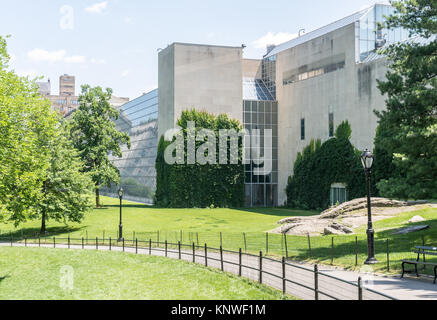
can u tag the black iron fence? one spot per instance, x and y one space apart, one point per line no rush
291 278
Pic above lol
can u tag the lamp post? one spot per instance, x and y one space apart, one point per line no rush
367 161
120 228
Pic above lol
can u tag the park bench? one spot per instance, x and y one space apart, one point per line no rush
424 251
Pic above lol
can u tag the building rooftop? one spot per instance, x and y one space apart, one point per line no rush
321 31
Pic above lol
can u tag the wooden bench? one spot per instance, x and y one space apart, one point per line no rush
421 250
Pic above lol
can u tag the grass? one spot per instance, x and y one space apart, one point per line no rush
36 274
246 229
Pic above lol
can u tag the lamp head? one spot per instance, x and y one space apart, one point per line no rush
367 159
120 192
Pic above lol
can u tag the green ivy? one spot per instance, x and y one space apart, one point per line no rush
321 165
191 186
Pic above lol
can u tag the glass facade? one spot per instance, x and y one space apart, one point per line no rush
372 37
261 190
137 166
269 74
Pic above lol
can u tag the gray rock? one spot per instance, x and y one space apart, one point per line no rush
331 231
416 219
411 229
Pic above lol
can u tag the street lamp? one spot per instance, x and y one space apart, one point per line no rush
367 161
120 228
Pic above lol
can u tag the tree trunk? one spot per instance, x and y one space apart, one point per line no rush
43 223
97 197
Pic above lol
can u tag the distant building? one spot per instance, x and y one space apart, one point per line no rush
67 101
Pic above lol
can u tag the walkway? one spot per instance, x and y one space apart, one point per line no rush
332 283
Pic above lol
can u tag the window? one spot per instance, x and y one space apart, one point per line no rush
302 129
331 124
338 194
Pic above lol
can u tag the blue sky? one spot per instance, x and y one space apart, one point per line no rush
114 43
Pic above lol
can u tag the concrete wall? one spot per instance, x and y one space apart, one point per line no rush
201 77
166 87
350 93
252 68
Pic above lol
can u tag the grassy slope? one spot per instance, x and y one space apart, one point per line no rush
206 224
29 274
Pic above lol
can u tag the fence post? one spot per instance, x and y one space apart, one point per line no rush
136 245
194 252
388 256
245 242
284 288
11 239
123 244
68 241
39 241
166 248
240 262
110 244
286 245
332 250
221 240
82 244
309 245
97 243
206 255
424 256
316 282
356 251
267 243
360 289
25 241
54 242
260 267
179 249
150 247
221 258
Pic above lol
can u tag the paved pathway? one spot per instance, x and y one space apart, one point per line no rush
333 283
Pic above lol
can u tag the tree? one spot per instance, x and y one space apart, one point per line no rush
27 123
410 120
95 136
66 189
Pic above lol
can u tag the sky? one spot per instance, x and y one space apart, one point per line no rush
115 43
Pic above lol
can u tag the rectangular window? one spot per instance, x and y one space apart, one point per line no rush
331 124
302 129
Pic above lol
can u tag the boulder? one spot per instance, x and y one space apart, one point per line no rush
416 219
411 229
331 231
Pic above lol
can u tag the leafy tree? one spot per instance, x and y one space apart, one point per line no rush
66 190
410 120
95 136
27 123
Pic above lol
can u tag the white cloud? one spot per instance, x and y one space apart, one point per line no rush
97 7
272 38
125 73
41 55
31 73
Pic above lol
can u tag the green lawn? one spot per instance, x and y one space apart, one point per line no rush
245 228
35 274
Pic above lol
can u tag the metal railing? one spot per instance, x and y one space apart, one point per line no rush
290 278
